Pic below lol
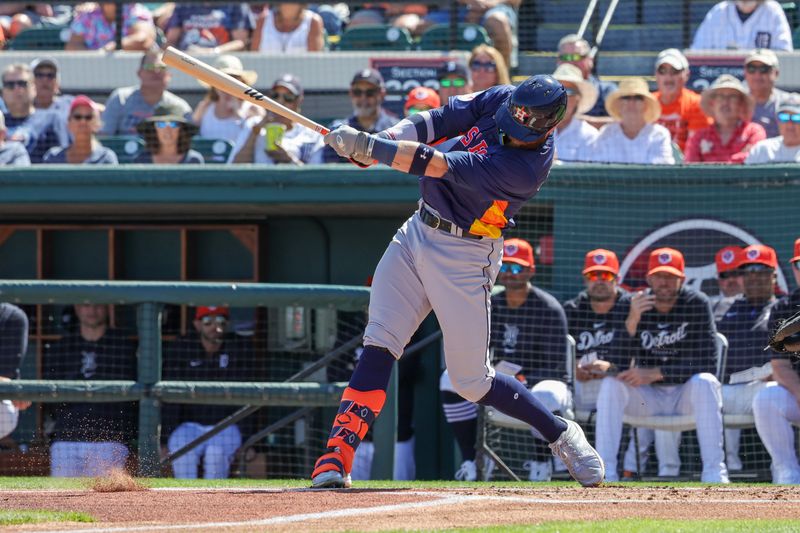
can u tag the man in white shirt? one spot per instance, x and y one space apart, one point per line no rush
298 145
744 24
634 137
573 135
761 70
783 149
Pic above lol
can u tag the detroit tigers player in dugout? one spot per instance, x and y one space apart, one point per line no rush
497 153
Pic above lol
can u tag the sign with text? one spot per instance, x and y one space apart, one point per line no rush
703 70
403 74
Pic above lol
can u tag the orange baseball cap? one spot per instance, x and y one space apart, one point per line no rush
211 310
759 254
796 251
667 260
601 259
422 96
518 251
728 258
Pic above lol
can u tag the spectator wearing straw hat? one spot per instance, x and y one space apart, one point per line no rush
573 135
744 24
168 136
732 133
680 107
220 115
761 70
83 124
634 137
786 147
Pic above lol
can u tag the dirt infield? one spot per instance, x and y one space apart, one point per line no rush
376 510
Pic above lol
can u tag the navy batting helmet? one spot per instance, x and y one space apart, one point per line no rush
533 109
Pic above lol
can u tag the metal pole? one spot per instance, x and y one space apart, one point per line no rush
586 17
598 40
148 323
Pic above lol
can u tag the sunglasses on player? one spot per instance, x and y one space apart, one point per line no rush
513 268
453 82
730 274
599 275
214 319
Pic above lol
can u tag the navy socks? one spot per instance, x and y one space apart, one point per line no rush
373 370
511 397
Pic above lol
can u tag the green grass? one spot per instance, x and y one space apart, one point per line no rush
643 525
14 518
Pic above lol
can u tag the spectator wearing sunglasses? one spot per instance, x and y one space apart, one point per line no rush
47 80
576 51
294 145
729 280
96 28
786 147
574 136
83 124
529 341
732 133
634 137
220 115
167 137
596 320
761 70
212 355
454 80
487 68
367 91
12 153
127 106
680 107
38 131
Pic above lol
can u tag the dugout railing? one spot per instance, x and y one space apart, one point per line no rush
151 392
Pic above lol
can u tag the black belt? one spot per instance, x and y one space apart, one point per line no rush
436 222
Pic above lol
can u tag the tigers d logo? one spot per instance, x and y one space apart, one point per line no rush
699 239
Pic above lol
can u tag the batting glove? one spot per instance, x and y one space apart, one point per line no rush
350 143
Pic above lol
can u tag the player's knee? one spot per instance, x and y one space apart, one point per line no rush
705 380
471 388
767 403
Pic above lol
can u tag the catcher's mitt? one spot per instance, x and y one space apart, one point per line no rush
786 337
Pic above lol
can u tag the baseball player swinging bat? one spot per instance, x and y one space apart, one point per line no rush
223 82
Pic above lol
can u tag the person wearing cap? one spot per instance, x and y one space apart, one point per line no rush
367 91
732 133
670 369
48 90
298 145
288 27
83 124
528 341
761 70
96 28
729 280
127 106
487 68
746 326
744 24
167 138
454 80
575 50
776 408
91 438
38 131
12 153
220 115
421 99
786 147
211 355
573 135
634 137
680 107
217 28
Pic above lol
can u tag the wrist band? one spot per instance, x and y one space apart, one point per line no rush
422 157
383 150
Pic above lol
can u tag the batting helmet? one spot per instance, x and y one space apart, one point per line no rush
533 109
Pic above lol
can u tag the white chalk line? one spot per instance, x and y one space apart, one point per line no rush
440 500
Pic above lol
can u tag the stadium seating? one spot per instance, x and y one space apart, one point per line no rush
44 38
468 36
376 37
127 147
642 37
213 150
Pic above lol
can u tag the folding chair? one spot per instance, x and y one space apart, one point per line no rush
376 37
213 150
127 147
489 416
41 38
467 37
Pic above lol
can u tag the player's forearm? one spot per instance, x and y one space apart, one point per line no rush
410 157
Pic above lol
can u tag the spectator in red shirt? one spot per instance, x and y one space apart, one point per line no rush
732 133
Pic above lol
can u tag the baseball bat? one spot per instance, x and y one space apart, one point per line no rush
226 83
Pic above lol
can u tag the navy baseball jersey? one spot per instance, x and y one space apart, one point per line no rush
681 342
747 328
487 181
602 335
533 335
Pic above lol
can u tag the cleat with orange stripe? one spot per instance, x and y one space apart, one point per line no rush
329 472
